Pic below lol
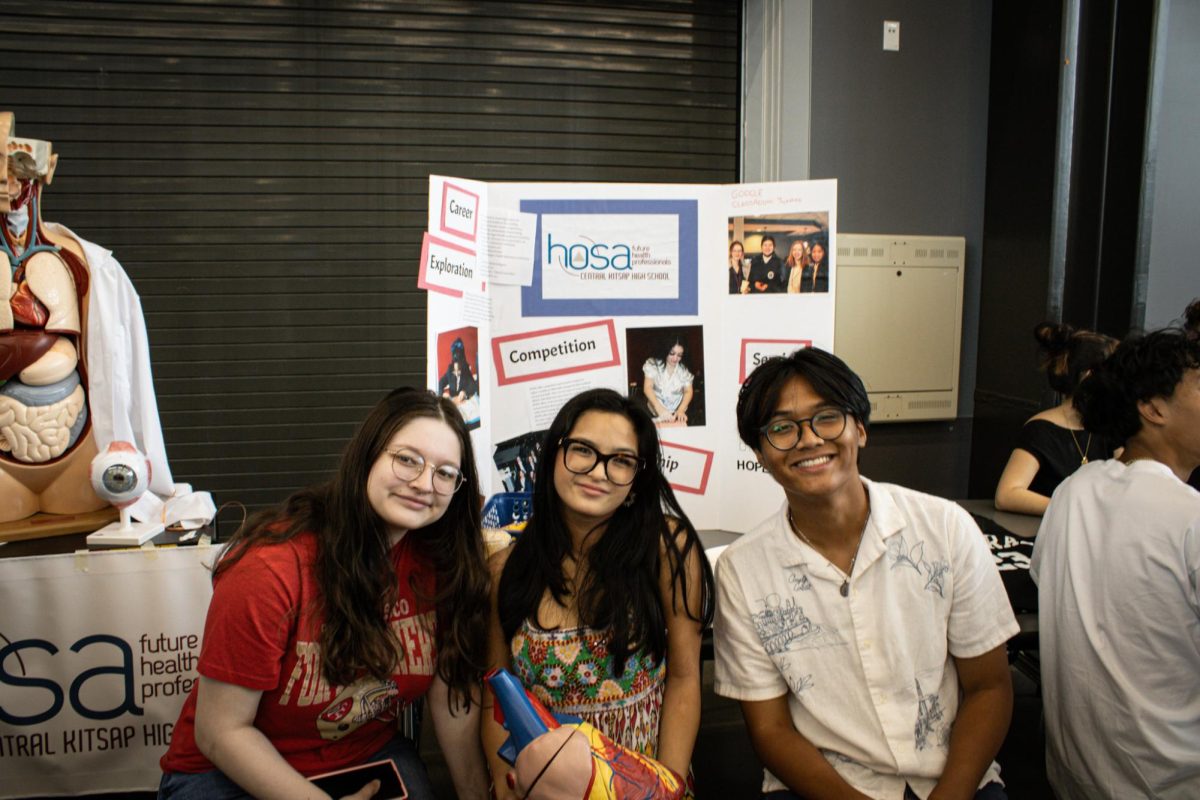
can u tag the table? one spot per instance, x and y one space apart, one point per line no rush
1010 537
45 534
712 539
1022 525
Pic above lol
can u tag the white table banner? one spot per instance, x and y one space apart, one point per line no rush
97 653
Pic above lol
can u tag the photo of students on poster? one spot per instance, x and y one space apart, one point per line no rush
779 254
666 371
458 365
517 460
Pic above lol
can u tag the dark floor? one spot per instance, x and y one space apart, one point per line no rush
726 768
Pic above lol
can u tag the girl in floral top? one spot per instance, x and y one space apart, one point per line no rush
600 604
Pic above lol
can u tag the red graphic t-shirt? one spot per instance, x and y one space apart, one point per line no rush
262 633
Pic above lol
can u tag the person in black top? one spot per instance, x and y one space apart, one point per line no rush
738 269
766 269
1053 443
457 382
815 277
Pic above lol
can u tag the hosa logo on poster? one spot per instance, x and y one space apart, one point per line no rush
610 256
613 257
588 254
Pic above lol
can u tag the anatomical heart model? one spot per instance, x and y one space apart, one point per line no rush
564 758
47 415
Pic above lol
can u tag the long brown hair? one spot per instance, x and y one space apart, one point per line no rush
804 257
732 244
353 568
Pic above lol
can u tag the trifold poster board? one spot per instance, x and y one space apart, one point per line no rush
538 291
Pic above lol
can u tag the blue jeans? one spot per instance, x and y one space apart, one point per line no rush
991 791
214 785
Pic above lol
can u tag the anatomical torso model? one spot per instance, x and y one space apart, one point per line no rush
46 442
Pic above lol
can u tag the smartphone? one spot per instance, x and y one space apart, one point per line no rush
342 782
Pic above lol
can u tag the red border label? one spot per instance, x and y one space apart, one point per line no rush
503 379
708 462
446 187
422 271
742 355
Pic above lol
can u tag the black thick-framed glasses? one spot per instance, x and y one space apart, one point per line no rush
784 434
581 458
408 466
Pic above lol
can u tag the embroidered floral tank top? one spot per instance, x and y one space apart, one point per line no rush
569 670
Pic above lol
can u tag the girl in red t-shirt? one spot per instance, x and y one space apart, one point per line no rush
333 611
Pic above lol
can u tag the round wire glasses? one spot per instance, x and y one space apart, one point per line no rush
408 466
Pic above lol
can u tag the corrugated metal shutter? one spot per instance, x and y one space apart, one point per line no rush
260 170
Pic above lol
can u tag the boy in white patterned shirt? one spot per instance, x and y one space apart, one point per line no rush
861 626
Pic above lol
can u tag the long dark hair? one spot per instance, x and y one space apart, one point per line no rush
353 566
670 340
823 243
1067 354
620 592
458 355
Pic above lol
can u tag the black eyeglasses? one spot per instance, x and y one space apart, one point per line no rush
581 458
408 466
784 434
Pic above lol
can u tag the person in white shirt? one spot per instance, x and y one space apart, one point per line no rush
862 625
1117 564
668 385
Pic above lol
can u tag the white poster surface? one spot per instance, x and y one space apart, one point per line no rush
624 277
510 247
92 676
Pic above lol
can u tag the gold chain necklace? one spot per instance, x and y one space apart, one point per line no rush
845 588
1083 451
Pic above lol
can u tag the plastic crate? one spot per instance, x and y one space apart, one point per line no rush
506 509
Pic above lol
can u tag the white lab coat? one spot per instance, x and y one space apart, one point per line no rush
120 386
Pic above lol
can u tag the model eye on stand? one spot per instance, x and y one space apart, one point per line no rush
121 475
